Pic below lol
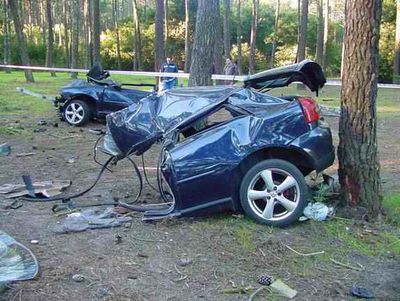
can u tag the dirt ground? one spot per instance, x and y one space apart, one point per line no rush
187 259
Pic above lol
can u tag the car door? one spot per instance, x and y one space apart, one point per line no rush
114 100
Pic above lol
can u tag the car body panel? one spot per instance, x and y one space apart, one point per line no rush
204 170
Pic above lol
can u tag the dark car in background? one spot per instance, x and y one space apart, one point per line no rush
94 98
231 148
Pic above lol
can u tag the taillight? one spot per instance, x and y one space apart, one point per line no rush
309 109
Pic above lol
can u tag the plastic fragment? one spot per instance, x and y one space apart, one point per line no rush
280 287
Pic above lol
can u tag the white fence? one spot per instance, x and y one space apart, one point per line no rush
239 78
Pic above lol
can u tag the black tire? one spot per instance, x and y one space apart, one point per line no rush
280 170
74 117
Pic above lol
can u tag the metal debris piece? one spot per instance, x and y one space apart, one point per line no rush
91 218
25 154
78 278
17 262
280 287
362 292
96 131
45 188
5 149
265 279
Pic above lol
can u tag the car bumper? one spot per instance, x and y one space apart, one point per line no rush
317 143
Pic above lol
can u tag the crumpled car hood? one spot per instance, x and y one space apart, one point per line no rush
306 72
137 127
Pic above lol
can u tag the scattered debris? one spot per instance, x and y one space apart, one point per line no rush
280 287
39 130
236 290
317 211
42 122
362 292
17 262
45 188
78 278
345 265
16 204
71 160
265 279
304 254
118 239
34 242
25 154
184 261
5 149
142 255
91 218
96 131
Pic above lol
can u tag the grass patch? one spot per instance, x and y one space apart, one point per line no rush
362 238
391 205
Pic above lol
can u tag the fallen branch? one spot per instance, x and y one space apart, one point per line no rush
261 288
304 254
346 265
238 290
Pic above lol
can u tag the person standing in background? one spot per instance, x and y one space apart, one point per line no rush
230 69
169 82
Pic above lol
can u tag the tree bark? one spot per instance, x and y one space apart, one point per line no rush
204 40
276 32
23 51
6 37
253 35
302 39
75 36
159 38
137 64
227 28
116 12
359 174
396 69
87 33
218 61
326 36
66 34
320 32
50 38
165 22
96 32
187 36
239 38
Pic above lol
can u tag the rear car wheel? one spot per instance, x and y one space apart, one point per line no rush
77 112
274 192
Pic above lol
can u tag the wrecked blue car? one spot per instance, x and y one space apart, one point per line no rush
230 148
94 98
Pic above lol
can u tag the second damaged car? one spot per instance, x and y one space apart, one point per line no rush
230 148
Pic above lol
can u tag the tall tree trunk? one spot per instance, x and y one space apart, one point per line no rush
253 35
239 38
87 33
23 51
218 61
358 149
137 65
396 69
6 36
302 39
320 32
50 38
204 40
75 36
166 22
116 12
276 32
227 28
187 37
159 38
326 35
66 33
96 32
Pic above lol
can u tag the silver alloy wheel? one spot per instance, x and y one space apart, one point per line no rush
273 194
74 113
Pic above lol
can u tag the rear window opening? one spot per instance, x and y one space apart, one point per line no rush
224 114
